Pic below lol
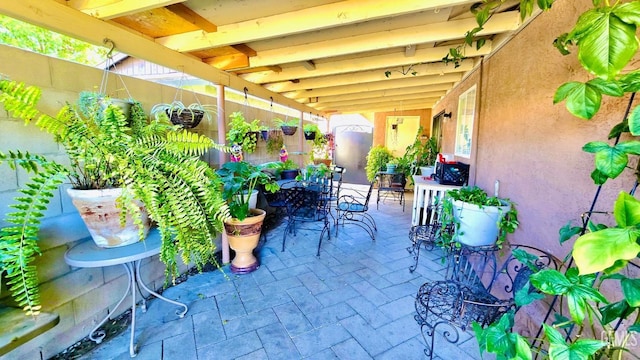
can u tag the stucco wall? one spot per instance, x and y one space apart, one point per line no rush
530 145
380 118
81 297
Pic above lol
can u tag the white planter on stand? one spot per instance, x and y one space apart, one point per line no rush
478 225
253 199
101 215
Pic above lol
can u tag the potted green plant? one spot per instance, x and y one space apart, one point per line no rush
479 219
243 133
377 159
287 170
264 132
391 165
311 131
289 127
151 162
244 227
189 116
275 141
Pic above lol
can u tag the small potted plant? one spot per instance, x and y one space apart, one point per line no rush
311 131
264 132
189 116
479 219
377 159
245 225
275 141
243 133
289 127
391 165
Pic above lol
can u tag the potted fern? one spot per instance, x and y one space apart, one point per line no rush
152 162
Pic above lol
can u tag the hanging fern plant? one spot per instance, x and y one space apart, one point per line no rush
151 161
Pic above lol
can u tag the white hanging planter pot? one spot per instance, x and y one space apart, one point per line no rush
101 215
478 225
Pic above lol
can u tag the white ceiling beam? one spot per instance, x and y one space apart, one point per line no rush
389 106
305 20
399 99
63 19
449 30
380 85
433 69
372 94
115 8
388 61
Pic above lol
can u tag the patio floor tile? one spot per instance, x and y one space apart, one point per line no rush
355 301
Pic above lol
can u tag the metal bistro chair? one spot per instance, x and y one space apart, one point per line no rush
476 288
391 186
352 207
427 236
333 190
305 203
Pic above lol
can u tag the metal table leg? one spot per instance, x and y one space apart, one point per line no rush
101 334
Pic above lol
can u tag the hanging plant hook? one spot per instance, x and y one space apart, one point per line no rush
109 42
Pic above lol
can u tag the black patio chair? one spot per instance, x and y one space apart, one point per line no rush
352 208
391 186
305 204
477 288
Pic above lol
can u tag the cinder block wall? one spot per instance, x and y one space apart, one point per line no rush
81 297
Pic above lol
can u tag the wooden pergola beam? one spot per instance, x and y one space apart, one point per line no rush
63 19
106 10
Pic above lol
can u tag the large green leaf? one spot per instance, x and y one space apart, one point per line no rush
631 291
608 45
596 251
550 282
634 121
626 210
629 12
580 349
582 99
620 309
611 161
607 87
630 82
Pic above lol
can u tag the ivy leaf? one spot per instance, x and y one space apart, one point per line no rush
626 210
582 99
608 45
598 177
607 87
567 232
618 129
596 251
611 161
630 82
617 310
550 282
525 297
580 349
634 121
631 291
629 12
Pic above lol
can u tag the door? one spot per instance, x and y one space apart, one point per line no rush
352 146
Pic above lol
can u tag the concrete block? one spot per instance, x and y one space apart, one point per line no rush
51 264
70 286
35 73
114 272
26 138
100 300
65 76
8 178
61 230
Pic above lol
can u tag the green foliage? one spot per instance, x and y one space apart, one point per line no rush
239 179
377 158
475 195
243 133
154 162
293 122
605 37
275 141
19 241
30 37
178 107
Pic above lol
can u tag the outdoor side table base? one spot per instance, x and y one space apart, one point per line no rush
87 254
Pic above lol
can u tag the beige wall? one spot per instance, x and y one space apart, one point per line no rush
530 145
380 118
81 297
